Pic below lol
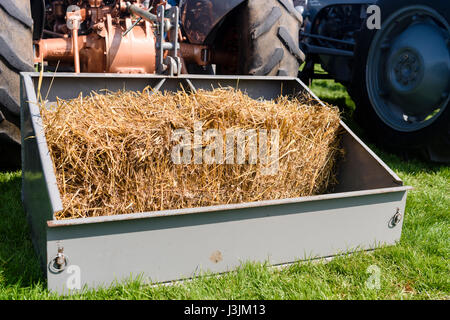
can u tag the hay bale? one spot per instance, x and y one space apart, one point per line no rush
114 153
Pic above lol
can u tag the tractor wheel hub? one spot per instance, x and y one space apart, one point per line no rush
418 68
406 68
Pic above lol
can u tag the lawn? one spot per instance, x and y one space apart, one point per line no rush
417 268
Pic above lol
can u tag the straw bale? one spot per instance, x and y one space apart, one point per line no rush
113 151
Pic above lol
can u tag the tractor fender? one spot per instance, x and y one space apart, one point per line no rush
200 17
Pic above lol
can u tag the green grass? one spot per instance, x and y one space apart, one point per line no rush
417 268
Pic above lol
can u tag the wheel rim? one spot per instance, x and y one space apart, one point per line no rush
408 69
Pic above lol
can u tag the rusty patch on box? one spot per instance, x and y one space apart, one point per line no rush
216 256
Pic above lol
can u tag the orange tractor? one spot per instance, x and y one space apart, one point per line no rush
398 74
140 36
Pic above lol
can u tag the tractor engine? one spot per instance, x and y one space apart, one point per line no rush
113 36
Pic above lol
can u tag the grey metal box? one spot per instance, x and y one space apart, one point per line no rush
176 244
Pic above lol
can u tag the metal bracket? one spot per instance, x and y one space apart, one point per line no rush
170 65
395 220
141 13
59 263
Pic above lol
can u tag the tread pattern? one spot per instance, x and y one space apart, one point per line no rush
291 9
10 57
271 45
14 12
289 42
16 55
269 21
10 131
7 100
275 59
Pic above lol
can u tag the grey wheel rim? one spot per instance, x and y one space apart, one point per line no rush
408 69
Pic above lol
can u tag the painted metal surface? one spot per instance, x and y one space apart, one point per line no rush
176 244
408 82
181 246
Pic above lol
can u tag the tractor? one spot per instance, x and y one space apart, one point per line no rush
398 73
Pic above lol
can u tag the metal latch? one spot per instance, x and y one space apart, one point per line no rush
59 262
395 220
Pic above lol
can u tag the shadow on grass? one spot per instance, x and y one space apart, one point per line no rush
19 265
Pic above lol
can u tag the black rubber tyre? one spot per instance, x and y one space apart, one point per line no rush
270 38
16 55
432 141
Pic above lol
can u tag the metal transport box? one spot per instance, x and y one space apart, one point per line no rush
364 211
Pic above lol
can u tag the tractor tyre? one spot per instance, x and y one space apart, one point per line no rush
269 41
16 55
401 78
